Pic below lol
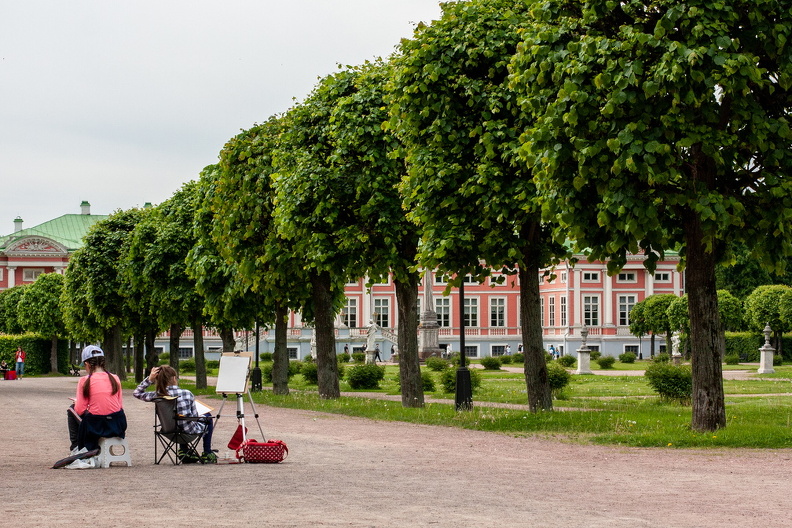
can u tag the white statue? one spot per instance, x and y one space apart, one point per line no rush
372 331
675 344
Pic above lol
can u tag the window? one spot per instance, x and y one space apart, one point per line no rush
593 347
468 279
498 312
541 310
626 276
551 308
662 276
590 276
292 351
498 350
471 312
591 310
31 274
662 349
349 314
563 311
626 304
443 309
631 348
382 312
439 278
564 276
496 279
185 352
471 351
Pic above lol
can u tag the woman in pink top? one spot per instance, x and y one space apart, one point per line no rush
98 409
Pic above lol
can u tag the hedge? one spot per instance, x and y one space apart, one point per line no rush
37 352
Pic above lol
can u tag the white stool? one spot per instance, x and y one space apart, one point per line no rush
108 451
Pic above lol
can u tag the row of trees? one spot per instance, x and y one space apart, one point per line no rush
504 129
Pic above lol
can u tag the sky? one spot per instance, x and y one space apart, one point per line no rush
120 103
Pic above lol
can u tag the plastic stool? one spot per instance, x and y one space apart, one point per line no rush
108 451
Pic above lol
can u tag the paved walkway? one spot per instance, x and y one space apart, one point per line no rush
349 472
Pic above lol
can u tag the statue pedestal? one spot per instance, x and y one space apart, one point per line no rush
583 361
370 354
676 359
766 360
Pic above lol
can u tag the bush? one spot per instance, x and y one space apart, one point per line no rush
341 370
344 357
566 361
777 360
295 367
309 359
365 376
732 359
662 358
558 378
627 357
358 357
671 382
164 358
437 364
448 380
310 373
548 357
506 359
265 356
595 355
491 363
212 364
518 358
187 365
606 362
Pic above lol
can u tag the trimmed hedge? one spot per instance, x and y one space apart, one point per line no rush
365 376
671 382
37 353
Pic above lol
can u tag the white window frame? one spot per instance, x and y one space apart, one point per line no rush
626 303
350 306
497 311
541 311
591 317
292 352
591 276
551 311
497 350
471 351
563 276
31 274
187 354
662 276
631 348
627 277
382 311
471 312
563 306
440 278
443 311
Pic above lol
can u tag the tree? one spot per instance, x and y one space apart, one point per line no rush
9 315
476 206
731 309
384 240
638 326
763 307
40 311
665 125
656 316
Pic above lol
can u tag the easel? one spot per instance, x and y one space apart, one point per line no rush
233 379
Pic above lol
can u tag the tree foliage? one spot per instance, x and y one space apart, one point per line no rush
9 315
40 311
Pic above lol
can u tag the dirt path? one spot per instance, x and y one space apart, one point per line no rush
358 473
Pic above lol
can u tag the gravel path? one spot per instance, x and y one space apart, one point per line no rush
349 472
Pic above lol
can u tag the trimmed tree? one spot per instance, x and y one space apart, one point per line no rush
40 311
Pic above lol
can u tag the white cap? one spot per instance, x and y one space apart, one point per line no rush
91 351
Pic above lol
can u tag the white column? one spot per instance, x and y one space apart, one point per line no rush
650 283
607 302
11 276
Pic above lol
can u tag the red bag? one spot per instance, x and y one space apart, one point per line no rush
236 440
271 451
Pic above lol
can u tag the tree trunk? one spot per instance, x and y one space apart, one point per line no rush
326 363
227 336
200 359
651 346
409 363
140 341
535 365
152 359
175 336
54 354
706 334
280 359
114 357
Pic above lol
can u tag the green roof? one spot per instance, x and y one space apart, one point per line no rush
67 230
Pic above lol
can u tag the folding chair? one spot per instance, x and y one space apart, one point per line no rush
169 435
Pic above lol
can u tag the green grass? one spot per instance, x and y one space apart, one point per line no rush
612 410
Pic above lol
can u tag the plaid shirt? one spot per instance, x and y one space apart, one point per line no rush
185 404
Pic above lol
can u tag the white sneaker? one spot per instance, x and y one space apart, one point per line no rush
80 464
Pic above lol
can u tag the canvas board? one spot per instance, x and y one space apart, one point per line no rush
233 374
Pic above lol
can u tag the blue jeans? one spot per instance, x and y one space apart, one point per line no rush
20 369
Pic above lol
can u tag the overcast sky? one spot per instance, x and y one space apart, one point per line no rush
121 102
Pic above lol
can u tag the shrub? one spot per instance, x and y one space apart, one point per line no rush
358 357
187 365
732 359
491 363
566 361
437 364
310 373
662 358
548 357
213 364
558 378
341 370
595 355
606 362
777 360
344 357
506 359
448 379
295 367
365 376
518 358
455 358
265 356
164 358
627 357
671 382
308 359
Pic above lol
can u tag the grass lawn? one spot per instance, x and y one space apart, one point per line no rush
614 410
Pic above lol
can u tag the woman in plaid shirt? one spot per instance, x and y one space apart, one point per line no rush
167 384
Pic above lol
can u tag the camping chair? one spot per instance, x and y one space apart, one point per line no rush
169 435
